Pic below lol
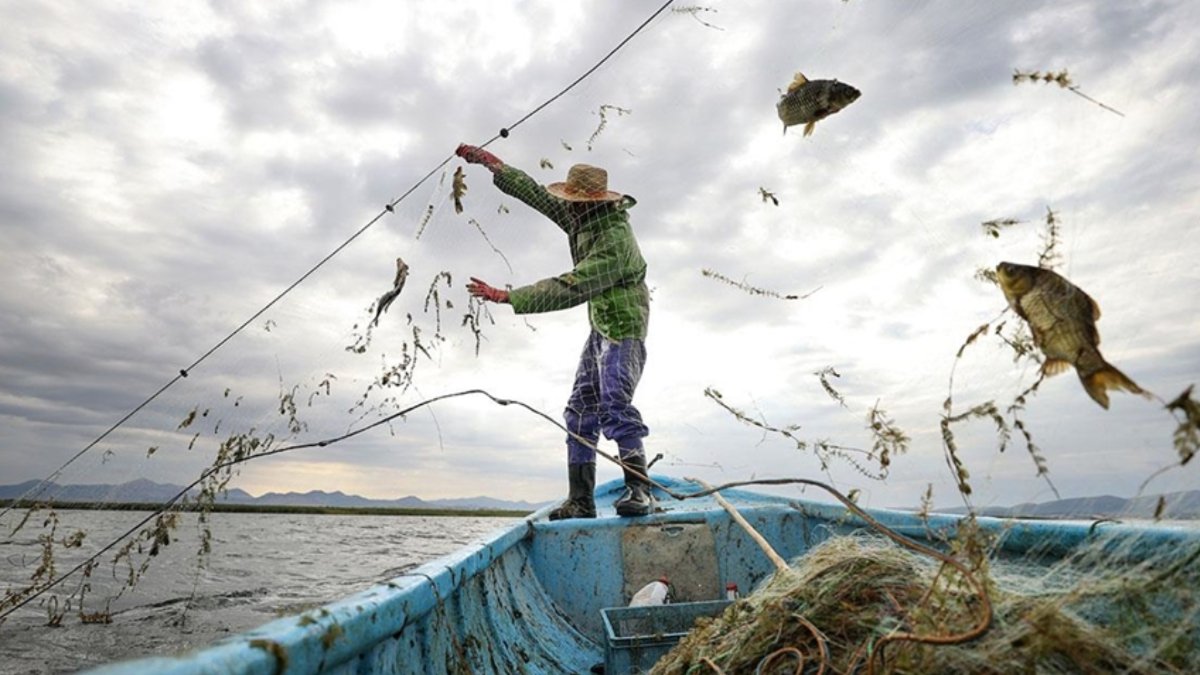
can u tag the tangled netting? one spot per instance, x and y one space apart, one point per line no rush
1112 607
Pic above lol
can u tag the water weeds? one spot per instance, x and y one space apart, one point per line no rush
1063 79
753 290
1187 434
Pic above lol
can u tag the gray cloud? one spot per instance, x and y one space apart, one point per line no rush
136 234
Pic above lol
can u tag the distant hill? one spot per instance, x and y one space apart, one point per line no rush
148 492
1178 506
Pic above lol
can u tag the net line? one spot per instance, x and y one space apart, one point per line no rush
34 492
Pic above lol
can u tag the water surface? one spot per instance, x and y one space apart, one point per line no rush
263 566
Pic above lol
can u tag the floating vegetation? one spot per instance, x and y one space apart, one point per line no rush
993 227
1187 434
287 408
768 196
887 440
424 221
1063 79
987 410
1050 257
823 375
1035 453
433 298
489 243
188 419
362 340
752 290
603 113
476 310
325 384
694 11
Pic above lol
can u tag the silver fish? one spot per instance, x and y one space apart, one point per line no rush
808 102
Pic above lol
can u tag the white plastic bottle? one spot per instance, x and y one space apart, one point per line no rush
657 592
731 591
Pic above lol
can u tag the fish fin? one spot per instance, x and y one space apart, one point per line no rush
1095 307
798 81
785 128
1098 383
808 128
1053 367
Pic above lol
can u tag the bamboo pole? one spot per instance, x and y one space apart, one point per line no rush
780 564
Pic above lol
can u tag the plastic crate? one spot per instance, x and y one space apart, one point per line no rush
637 637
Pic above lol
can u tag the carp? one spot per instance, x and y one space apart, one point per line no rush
810 101
1062 319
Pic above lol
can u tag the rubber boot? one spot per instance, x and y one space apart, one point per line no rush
636 500
581 500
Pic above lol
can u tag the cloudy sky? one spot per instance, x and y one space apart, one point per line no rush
168 170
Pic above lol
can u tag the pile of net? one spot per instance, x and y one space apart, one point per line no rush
847 605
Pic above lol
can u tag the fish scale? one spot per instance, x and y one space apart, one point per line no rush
1057 334
1062 318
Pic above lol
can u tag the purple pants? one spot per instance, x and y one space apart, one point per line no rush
602 398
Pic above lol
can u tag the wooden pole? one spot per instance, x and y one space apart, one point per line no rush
780 564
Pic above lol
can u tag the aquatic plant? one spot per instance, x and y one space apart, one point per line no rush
1063 79
603 112
753 290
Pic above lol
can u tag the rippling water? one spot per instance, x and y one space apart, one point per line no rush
263 566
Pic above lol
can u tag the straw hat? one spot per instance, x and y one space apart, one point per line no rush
585 183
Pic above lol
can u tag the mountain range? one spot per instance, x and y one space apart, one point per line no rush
1175 506
144 491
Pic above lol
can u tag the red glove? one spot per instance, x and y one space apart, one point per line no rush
480 289
476 155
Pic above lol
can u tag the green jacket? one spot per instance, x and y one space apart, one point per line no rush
609 273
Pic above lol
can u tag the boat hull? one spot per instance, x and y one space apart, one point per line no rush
529 599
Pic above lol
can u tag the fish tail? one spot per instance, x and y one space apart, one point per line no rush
1099 381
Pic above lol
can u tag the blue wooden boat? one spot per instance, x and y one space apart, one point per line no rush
533 599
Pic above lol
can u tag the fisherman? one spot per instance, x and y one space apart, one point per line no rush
609 275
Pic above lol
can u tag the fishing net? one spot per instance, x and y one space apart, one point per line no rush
822 305
861 603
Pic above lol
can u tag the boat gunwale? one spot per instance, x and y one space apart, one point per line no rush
384 610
